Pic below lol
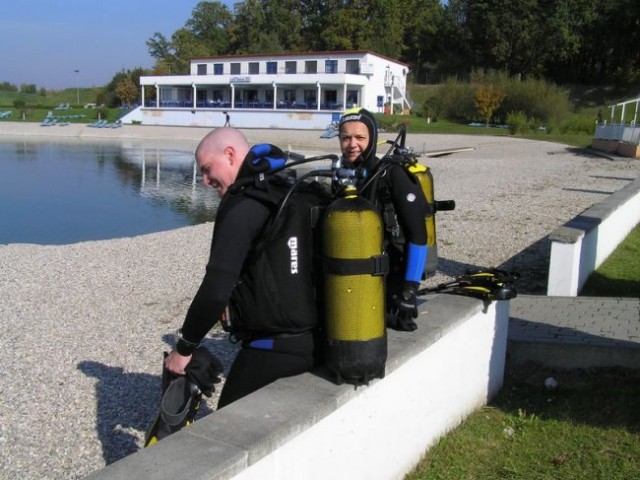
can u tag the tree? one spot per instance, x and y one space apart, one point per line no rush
251 31
209 24
126 91
204 34
28 88
385 33
487 100
423 45
119 90
8 87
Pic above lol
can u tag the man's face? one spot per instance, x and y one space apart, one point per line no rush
354 139
217 170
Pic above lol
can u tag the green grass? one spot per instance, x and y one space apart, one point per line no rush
619 275
51 99
37 106
588 428
578 431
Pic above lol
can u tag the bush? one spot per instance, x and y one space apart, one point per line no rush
518 123
536 99
576 123
453 100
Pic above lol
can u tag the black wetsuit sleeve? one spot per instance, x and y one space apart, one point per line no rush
410 204
236 227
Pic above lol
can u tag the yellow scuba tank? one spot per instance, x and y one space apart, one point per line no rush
354 266
423 174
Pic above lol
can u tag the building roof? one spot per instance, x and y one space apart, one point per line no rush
298 54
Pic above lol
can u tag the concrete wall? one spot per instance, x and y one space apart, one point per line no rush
254 118
582 244
307 427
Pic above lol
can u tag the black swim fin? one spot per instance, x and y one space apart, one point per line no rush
180 403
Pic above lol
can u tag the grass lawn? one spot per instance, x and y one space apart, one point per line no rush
586 428
619 275
581 430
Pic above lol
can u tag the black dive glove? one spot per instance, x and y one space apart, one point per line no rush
405 308
204 370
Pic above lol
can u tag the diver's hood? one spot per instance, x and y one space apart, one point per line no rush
368 158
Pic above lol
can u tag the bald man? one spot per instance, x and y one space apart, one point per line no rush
273 313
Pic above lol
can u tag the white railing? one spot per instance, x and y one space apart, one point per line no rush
618 132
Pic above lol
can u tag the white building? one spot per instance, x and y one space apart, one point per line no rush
286 90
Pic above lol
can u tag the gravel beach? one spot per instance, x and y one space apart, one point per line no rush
84 325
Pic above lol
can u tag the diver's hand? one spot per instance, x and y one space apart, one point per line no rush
405 308
176 363
407 301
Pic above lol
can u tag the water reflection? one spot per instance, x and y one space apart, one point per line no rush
65 191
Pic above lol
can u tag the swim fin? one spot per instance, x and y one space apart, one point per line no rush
492 284
182 395
178 407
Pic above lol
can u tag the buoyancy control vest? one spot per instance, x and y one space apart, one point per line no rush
276 292
317 256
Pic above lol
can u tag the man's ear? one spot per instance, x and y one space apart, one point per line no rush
230 153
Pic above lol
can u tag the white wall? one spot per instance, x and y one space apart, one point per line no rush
383 433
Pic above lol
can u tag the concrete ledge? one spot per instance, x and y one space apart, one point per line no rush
308 427
574 332
582 244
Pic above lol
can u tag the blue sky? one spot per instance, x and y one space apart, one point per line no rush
43 42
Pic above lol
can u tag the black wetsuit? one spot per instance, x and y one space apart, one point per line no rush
399 188
284 350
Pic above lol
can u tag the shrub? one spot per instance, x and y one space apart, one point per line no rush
576 123
536 99
454 100
518 123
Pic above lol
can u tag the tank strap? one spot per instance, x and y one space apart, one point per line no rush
376 265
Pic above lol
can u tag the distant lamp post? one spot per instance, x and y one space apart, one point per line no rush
77 87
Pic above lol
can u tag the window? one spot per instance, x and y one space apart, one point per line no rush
310 99
353 66
254 68
291 67
235 68
290 96
330 99
272 68
217 69
311 66
352 98
202 69
331 66
310 96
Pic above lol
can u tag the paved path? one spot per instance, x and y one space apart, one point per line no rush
575 331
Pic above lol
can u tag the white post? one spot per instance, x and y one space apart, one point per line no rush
275 95
77 86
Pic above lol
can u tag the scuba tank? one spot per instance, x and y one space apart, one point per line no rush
423 174
398 153
353 283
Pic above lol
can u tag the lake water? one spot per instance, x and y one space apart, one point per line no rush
59 192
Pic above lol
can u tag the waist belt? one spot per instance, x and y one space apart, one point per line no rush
293 343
